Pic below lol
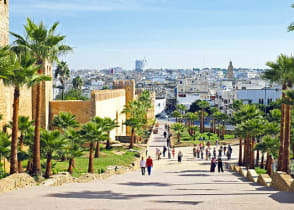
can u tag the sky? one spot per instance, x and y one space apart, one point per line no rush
168 33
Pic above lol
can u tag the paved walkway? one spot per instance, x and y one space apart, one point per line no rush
171 186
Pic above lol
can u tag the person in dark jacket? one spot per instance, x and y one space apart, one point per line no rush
220 165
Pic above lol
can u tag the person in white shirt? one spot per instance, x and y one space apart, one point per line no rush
143 166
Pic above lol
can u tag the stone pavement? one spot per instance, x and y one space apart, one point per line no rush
171 186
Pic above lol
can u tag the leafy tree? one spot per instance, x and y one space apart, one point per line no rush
45 46
177 115
281 72
72 147
19 70
178 128
109 125
62 73
4 146
203 105
77 83
65 120
195 132
51 142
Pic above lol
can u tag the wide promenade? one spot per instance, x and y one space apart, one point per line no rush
171 186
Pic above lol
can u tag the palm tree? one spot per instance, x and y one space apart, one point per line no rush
45 46
62 72
77 83
262 146
177 115
194 131
212 111
101 125
203 105
91 133
281 72
109 125
65 120
4 146
22 72
72 147
23 125
51 141
178 128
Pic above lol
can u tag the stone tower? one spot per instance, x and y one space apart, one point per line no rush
230 71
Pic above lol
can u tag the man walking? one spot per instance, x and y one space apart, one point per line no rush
149 165
220 165
143 166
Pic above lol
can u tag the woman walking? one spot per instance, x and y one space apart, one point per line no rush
149 165
180 156
174 152
143 166
212 164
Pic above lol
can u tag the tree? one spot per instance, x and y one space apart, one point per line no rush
262 146
212 111
24 124
281 72
101 125
109 125
4 146
62 73
21 71
91 133
203 105
45 46
195 132
178 128
177 115
72 146
236 119
51 142
77 83
65 120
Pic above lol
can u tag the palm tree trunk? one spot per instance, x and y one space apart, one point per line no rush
73 162
20 168
245 150
267 161
262 160
30 166
62 93
108 142
37 171
202 120
91 163
132 138
240 152
218 131
97 151
48 172
223 131
281 149
252 166
13 156
257 158
70 166
179 138
286 163
269 166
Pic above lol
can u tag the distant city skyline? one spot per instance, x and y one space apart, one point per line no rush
168 33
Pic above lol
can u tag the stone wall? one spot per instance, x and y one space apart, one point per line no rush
16 181
110 103
81 109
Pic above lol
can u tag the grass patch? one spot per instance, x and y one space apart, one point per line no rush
107 158
260 171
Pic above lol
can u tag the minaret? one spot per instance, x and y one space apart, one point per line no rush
230 71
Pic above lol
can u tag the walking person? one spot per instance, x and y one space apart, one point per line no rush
214 152
220 165
143 166
220 151
225 149
194 151
149 165
169 152
180 156
164 151
174 152
164 134
201 154
212 164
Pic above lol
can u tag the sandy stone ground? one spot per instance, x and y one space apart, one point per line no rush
171 186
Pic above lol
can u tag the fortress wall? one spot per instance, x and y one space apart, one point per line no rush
81 109
110 103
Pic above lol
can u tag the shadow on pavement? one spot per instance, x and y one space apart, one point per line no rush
181 202
194 175
146 184
283 197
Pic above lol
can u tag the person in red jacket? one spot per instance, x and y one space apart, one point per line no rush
149 165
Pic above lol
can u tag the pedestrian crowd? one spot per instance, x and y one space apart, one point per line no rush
200 151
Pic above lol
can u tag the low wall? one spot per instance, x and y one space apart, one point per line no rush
281 181
81 109
16 181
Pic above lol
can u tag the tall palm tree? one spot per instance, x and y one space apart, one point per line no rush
4 146
178 128
203 105
77 83
212 111
24 124
100 124
236 119
45 45
177 115
281 72
51 141
62 72
21 72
